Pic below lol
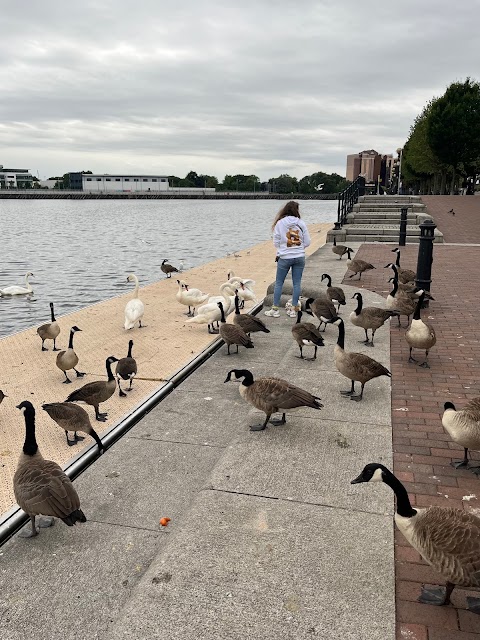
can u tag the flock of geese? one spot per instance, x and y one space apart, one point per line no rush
447 538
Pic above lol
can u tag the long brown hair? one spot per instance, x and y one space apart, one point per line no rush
290 209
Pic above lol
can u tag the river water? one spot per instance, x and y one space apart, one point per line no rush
81 251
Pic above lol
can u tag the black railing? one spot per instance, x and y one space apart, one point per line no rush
347 198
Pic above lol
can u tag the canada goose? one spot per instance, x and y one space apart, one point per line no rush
306 334
191 298
401 301
355 366
134 308
168 269
94 393
49 331
322 308
358 266
71 417
15 290
339 249
40 486
250 324
126 369
68 359
272 395
404 275
464 429
420 334
448 539
336 294
2 396
409 288
232 333
369 317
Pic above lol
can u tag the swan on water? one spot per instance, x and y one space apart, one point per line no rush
15 290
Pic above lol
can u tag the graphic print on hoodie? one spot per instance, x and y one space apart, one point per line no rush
291 237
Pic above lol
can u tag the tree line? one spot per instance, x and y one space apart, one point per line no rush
319 182
442 153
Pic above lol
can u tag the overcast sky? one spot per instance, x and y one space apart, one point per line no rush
263 87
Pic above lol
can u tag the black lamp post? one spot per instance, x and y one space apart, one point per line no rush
425 255
403 226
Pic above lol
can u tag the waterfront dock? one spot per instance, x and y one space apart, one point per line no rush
161 348
267 537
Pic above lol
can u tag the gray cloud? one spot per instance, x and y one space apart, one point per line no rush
263 87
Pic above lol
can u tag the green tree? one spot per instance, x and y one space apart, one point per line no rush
284 184
453 126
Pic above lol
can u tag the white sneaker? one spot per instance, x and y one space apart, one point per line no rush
292 313
273 313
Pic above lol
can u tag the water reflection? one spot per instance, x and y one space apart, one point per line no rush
81 251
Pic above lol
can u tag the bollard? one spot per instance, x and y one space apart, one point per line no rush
425 256
402 238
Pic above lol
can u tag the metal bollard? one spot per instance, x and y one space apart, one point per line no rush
402 238
425 256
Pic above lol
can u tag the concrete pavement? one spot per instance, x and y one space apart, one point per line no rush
267 536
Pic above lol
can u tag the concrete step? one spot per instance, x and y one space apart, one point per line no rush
379 229
367 221
372 215
385 238
363 206
387 199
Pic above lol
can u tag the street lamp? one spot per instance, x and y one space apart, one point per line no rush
400 154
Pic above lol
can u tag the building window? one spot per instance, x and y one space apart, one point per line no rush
127 179
117 179
154 179
89 179
135 179
108 179
99 179
163 180
145 179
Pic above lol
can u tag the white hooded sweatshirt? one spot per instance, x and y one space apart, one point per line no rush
291 237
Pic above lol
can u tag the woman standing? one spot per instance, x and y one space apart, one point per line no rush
291 238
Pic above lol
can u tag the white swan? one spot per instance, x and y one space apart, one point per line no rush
233 279
210 313
190 297
134 308
244 287
227 298
15 290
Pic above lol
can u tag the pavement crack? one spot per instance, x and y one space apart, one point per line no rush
193 444
126 526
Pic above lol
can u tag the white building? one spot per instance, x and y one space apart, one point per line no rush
15 178
124 183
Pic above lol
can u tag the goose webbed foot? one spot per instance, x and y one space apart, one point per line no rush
437 596
44 348
80 374
475 470
347 393
44 522
410 359
473 605
424 365
459 464
258 427
278 421
212 330
101 417
122 394
28 532
78 438
67 381
356 398
71 443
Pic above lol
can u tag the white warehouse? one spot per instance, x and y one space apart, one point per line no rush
124 183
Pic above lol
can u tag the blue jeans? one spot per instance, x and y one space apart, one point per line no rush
283 266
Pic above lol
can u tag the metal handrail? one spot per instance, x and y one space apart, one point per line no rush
347 198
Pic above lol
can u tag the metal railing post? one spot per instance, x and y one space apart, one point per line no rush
403 226
425 256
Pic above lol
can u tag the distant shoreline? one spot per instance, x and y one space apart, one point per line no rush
44 194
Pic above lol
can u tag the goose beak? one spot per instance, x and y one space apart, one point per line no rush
357 480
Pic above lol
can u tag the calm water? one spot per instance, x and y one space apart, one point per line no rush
82 250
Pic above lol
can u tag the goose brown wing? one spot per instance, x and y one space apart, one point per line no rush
472 409
280 393
336 293
234 334
451 540
45 489
368 367
67 415
88 391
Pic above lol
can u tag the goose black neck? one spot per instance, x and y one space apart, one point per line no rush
299 316
397 261
52 314
334 241
247 378
395 270
404 508
164 262
222 314
341 335
395 287
359 304
237 307
30 446
130 345
416 315
328 279
70 341
110 375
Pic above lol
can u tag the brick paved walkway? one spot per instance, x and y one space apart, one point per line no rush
464 226
422 449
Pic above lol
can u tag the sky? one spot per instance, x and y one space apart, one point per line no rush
221 87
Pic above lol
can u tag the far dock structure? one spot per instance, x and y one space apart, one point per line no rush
171 194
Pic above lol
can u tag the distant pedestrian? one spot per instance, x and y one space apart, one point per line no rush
291 238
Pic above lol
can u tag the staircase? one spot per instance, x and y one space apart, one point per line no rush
377 219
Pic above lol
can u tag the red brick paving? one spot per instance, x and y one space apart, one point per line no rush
422 450
464 226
